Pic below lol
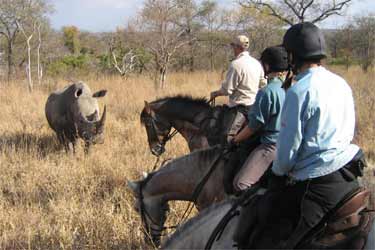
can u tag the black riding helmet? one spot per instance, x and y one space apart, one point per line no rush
276 58
305 41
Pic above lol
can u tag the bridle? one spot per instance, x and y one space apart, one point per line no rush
155 127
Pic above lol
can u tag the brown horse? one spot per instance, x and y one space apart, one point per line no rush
178 180
200 124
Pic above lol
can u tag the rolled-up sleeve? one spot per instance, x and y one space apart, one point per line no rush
290 137
231 81
260 111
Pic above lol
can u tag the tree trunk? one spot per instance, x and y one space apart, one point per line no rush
162 77
39 67
28 67
191 59
212 55
10 57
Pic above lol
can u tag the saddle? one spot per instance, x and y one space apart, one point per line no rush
223 123
346 227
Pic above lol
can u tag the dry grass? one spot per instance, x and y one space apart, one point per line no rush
50 200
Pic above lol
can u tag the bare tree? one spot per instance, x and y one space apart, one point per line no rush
16 12
162 36
8 29
297 11
39 66
214 19
127 64
28 38
254 24
365 40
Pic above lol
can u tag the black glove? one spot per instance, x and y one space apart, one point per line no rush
231 145
276 182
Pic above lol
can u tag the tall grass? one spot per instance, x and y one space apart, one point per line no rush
53 200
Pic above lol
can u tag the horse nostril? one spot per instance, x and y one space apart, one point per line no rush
157 150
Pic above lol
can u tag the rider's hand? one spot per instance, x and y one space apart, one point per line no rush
213 95
232 145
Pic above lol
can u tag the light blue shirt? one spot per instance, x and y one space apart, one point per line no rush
317 126
265 114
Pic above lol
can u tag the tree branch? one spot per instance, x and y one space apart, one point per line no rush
260 5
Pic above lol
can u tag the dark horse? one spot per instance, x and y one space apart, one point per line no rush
195 119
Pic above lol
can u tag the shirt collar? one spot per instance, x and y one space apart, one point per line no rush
275 80
243 54
307 72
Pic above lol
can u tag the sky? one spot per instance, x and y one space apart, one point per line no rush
106 15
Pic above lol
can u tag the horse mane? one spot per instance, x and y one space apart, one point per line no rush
202 154
198 103
184 99
190 223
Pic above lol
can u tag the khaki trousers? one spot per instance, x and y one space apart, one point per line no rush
254 167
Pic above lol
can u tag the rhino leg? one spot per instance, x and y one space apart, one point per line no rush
87 147
62 139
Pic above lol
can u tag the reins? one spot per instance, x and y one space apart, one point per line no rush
198 189
242 200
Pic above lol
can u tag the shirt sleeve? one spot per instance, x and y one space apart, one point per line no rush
231 81
290 137
260 111
262 79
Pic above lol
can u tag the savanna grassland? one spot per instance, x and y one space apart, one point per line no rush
53 200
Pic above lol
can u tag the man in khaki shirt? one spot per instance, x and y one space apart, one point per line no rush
241 85
244 76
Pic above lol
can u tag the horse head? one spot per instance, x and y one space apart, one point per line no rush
157 129
152 209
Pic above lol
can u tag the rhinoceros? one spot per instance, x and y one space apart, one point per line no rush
73 113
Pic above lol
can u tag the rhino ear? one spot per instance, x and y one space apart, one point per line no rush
100 93
78 92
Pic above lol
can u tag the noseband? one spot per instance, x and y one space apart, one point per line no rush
153 123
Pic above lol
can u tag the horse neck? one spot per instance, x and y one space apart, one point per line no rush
192 134
179 178
197 231
178 111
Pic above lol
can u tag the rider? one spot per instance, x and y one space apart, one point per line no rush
244 76
264 119
312 172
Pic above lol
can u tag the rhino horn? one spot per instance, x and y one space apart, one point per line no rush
101 122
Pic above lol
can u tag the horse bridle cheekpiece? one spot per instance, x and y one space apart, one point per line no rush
155 127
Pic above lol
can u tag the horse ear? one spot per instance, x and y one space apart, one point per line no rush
147 108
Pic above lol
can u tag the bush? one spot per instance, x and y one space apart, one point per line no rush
68 64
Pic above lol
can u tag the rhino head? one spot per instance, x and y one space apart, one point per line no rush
85 112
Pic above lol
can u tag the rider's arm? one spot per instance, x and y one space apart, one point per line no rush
290 137
245 133
258 115
231 81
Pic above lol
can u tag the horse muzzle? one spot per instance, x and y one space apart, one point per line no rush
157 150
